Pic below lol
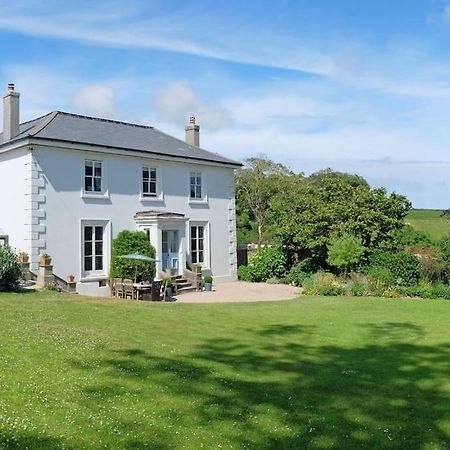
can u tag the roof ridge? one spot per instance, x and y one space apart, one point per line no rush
41 125
37 118
100 119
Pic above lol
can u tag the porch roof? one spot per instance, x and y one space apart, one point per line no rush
152 214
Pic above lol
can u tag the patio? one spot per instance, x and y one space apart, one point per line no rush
241 291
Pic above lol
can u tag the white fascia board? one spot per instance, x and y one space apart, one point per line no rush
47 143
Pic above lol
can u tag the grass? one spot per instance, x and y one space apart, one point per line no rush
430 221
314 373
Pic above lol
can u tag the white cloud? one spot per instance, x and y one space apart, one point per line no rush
174 102
96 100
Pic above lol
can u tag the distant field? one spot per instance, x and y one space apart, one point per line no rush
430 221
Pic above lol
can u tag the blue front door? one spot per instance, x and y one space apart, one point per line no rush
170 250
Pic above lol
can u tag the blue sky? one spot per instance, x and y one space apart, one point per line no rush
358 86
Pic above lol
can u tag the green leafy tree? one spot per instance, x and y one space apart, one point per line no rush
256 183
308 215
128 242
345 252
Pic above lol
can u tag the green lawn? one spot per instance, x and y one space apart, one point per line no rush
315 373
430 221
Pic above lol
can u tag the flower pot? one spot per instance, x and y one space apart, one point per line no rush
168 292
70 278
24 259
208 286
45 261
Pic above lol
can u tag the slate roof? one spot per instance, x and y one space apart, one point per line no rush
73 128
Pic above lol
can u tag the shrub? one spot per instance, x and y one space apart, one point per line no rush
358 288
298 275
268 262
391 293
323 283
10 268
433 269
207 279
345 252
243 273
128 242
273 281
395 268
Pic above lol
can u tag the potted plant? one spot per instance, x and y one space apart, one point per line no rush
23 257
70 278
46 260
167 287
207 282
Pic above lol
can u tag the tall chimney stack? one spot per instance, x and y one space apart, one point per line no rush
193 132
10 113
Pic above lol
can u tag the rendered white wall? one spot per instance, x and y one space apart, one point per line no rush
13 188
65 207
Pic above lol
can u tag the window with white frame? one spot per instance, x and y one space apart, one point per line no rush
93 248
149 182
197 244
196 190
93 173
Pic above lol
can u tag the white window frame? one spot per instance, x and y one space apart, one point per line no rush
94 275
104 193
204 198
206 242
159 196
4 239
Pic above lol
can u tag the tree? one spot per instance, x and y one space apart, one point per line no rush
345 252
308 215
128 242
256 183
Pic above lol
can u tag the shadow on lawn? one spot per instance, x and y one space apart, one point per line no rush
281 393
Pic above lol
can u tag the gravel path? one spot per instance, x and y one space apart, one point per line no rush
241 291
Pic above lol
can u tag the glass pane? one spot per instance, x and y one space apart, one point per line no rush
194 257
99 263
193 232
153 174
88 168
99 248
98 169
145 187
200 256
200 244
200 232
198 192
145 173
88 233
88 263
192 192
98 233
199 179
192 180
88 184
153 187
88 248
194 245
97 184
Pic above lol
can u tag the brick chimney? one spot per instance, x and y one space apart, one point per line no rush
193 132
10 113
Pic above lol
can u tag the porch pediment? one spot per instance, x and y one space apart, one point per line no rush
155 217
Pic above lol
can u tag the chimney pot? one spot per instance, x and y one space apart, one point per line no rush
10 86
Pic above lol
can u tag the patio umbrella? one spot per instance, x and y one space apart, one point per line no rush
137 258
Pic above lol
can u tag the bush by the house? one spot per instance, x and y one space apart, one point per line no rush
434 269
128 242
323 283
400 269
10 269
298 274
243 273
268 262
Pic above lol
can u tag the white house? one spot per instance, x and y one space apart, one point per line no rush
69 184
